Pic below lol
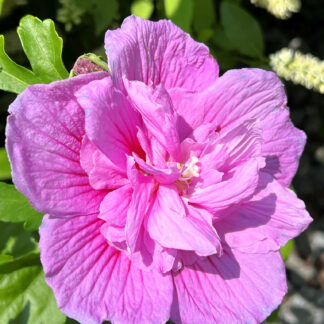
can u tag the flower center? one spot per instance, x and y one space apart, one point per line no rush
191 168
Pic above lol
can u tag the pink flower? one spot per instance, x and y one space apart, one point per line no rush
166 186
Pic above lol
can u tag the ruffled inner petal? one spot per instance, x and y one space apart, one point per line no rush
111 123
103 174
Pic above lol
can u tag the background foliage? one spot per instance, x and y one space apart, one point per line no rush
238 35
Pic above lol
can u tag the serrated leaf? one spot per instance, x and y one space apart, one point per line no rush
204 15
13 77
286 250
5 170
103 12
142 8
242 30
43 47
14 208
180 12
15 242
24 293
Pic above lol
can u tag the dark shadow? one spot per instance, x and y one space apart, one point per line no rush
22 317
175 312
239 221
272 165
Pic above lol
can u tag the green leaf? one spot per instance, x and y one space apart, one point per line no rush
43 47
103 12
274 317
4 258
242 30
25 296
221 40
180 12
13 77
142 8
27 260
1 4
286 250
15 242
14 208
5 170
204 15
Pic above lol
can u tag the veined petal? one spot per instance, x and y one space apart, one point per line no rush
172 226
44 133
110 123
274 216
93 282
159 52
234 288
159 117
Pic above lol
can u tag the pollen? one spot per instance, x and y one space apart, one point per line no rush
191 168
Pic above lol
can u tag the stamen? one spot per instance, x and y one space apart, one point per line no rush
192 170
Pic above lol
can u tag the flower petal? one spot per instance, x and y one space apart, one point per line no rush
156 109
245 94
233 148
159 52
142 194
113 210
163 176
274 216
241 95
103 174
221 195
44 133
172 226
93 282
234 288
110 123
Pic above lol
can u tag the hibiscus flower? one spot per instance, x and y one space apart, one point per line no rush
165 186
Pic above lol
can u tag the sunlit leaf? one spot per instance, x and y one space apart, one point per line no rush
286 250
25 296
13 77
1 4
242 30
43 47
5 258
180 12
14 207
142 8
5 170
